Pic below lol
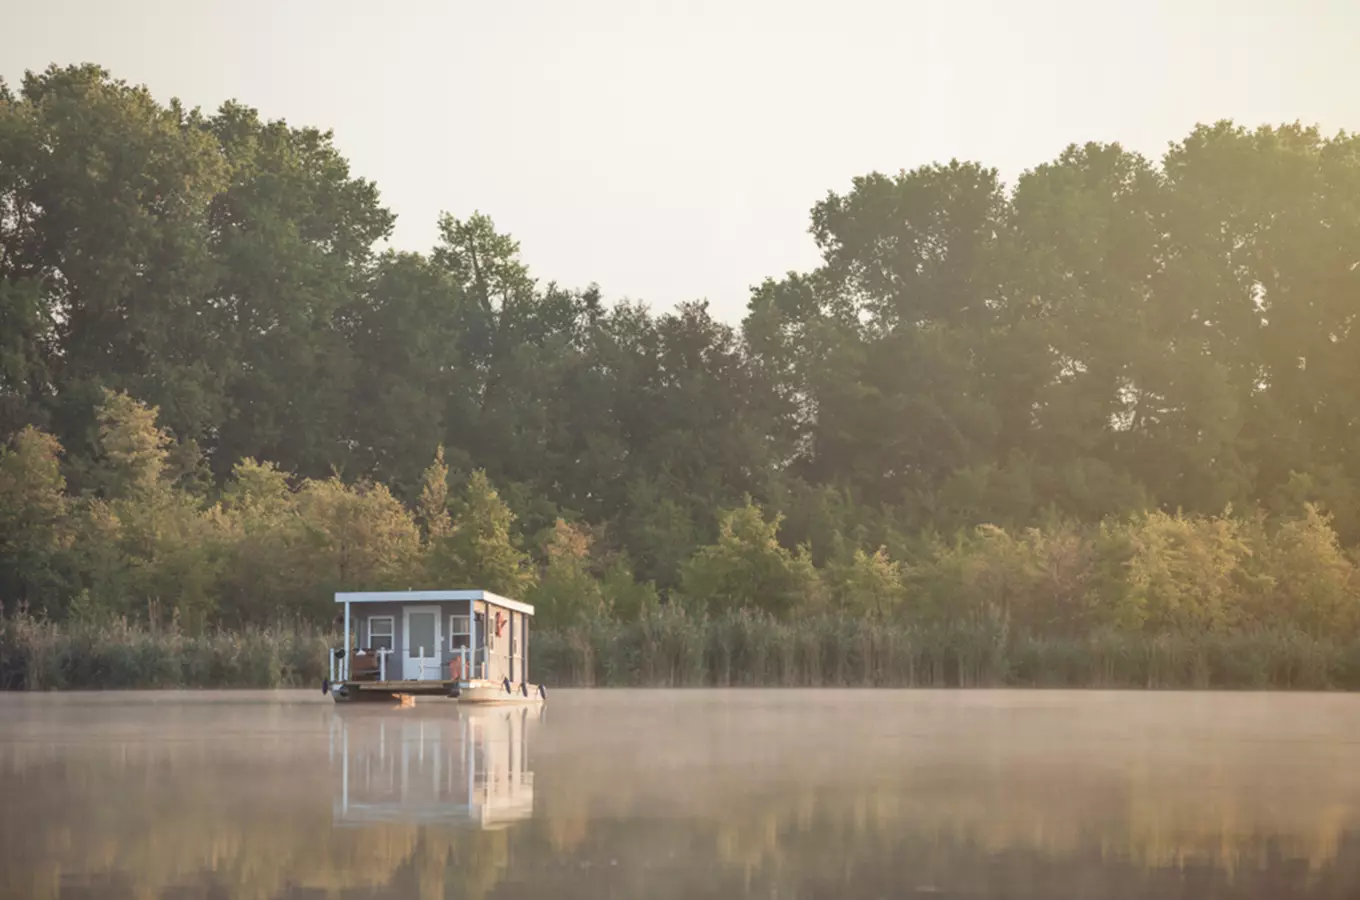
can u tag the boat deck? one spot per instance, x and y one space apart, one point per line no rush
476 691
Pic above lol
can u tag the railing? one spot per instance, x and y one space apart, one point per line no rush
473 661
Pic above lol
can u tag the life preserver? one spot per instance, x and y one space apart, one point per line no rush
500 624
456 669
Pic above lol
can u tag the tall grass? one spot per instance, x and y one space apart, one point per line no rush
36 654
670 647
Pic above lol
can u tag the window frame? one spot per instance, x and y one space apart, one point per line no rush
467 632
391 634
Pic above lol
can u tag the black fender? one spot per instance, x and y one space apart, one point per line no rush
325 685
506 684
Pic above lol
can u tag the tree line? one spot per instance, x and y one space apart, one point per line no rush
1117 395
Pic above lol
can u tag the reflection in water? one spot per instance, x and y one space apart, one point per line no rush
683 794
468 767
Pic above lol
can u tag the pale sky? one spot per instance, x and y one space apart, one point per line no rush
671 151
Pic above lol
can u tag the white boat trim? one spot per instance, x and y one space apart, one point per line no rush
430 596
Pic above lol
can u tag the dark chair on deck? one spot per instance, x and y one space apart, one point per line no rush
363 666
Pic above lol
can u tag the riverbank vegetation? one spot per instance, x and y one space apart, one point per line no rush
1093 428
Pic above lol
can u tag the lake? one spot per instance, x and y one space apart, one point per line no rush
682 794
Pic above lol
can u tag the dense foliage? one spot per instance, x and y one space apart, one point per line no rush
1115 399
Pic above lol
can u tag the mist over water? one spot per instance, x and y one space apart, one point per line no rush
760 793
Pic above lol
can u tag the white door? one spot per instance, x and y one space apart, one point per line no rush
420 653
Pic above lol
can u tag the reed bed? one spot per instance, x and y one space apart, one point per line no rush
675 649
36 654
670 647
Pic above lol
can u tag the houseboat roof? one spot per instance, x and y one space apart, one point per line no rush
422 596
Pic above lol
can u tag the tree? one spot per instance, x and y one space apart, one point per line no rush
658 531
747 568
268 563
104 250
567 592
880 351
481 552
1085 246
432 509
867 585
626 598
358 537
1303 578
292 236
1328 490
26 333
145 548
1183 573
34 528
413 385
134 449
483 262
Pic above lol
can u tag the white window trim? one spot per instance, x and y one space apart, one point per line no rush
391 634
457 634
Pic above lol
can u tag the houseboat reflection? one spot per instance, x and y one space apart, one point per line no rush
462 766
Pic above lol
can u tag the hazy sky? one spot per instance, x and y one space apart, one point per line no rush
671 150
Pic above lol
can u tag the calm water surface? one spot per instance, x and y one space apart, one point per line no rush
682 794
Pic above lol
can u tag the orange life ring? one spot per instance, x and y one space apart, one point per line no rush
500 624
456 669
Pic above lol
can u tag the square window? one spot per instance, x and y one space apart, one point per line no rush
380 632
459 635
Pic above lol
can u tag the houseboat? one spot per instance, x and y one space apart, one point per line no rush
472 646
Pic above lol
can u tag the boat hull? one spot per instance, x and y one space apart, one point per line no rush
486 693
390 691
475 693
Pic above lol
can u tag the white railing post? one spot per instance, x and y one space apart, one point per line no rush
330 662
422 665
382 664
344 663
